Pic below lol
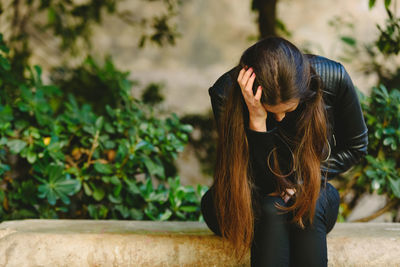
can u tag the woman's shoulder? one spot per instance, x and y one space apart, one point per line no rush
224 82
332 72
318 59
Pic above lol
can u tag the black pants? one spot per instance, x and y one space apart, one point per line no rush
280 243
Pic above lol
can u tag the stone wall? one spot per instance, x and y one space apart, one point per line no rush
175 244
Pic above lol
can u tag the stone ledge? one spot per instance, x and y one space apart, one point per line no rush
36 242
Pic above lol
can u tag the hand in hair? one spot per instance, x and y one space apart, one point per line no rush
257 113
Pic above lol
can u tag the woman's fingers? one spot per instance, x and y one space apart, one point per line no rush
257 96
284 195
257 113
246 76
289 193
286 198
240 76
245 80
249 84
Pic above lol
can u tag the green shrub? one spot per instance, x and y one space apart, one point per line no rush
61 159
382 170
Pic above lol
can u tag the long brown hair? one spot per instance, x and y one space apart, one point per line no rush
284 74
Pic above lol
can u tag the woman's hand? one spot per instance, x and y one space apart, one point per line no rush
290 192
257 113
284 195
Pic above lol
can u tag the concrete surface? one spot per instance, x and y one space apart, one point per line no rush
36 242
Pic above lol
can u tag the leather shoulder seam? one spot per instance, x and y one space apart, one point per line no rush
341 85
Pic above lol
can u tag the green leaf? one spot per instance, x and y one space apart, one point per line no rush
68 186
125 212
132 187
395 186
387 3
136 214
99 122
148 187
165 216
388 140
180 215
370 173
16 145
187 128
4 63
348 40
117 190
157 197
55 172
389 131
103 168
188 208
150 211
371 3
98 193
58 185
115 180
45 191
154 168
31 157
144 145
115 200
38 70
51 15
87 189
97 211
65 188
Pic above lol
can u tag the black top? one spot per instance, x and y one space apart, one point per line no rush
262 143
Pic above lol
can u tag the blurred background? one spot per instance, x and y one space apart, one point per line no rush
105 113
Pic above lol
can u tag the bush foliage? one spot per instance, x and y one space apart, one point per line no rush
382 169
61 159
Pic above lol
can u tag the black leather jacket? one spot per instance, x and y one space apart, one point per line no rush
349 133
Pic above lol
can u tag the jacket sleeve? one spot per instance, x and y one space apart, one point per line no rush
349 127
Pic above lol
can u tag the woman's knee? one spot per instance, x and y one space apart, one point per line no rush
326 210
206 204
205 200
332 209
209 212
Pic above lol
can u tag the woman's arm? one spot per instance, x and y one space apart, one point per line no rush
350 129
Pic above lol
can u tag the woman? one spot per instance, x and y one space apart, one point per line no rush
287 122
